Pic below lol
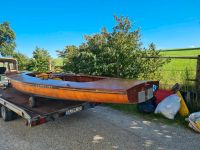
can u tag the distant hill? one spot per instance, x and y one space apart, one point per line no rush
181 49
181 52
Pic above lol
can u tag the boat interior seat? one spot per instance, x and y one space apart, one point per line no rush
2 70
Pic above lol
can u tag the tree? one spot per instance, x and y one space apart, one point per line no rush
40 61
151 66
23 61
7 40
87 64
63 53
117 53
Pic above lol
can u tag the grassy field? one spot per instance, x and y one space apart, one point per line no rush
177 70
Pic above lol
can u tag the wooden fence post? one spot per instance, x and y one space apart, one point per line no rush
198 74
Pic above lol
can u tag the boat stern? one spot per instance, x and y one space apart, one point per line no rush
142 92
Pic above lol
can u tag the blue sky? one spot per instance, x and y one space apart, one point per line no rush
53 24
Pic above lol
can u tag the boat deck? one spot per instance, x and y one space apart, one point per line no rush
106 84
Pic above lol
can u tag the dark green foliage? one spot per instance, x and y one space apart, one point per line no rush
23 61
68 49
40 61
7 40
116 54
150 66
88 61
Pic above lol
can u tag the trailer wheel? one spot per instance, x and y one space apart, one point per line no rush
6 113
32 102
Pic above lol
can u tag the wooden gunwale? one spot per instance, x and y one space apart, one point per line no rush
72 89
106 90
65 94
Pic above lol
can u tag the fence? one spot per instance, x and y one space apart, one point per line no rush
188 75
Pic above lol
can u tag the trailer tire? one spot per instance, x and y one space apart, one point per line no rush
32 102
6 113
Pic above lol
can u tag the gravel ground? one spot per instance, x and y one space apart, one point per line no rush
98 128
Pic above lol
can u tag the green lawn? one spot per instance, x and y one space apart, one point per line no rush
177 70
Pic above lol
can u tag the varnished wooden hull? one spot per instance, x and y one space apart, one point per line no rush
92 92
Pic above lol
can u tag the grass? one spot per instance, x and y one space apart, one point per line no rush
132 110
182 49
177 69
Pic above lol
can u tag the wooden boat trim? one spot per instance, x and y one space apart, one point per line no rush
84 88
70 94
72 89
112 84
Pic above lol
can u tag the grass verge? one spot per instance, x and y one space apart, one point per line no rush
132 110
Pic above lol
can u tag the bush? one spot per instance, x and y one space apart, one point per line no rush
115 54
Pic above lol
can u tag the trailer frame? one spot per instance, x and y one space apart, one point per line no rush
39 118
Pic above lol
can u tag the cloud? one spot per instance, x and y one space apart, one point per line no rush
192 46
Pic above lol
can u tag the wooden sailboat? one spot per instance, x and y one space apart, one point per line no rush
83 88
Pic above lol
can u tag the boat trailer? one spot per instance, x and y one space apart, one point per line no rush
14 104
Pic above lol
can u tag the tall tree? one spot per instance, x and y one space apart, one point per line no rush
40 61
7 40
